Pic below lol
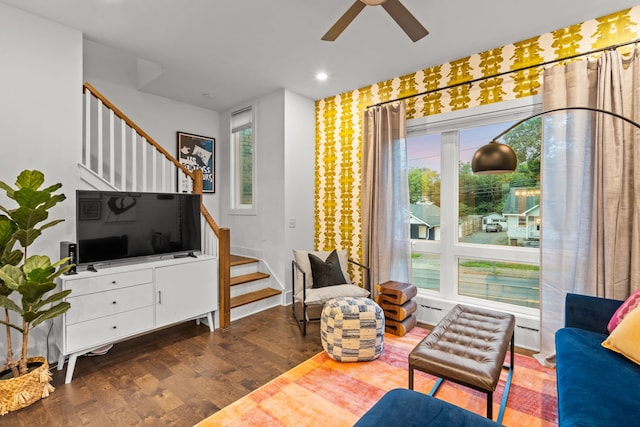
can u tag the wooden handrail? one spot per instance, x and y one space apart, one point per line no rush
207 217
138 129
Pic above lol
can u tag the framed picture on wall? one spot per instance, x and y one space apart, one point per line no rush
197 152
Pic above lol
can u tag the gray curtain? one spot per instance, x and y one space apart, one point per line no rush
590 219
385 194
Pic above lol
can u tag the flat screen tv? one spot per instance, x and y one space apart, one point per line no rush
113 225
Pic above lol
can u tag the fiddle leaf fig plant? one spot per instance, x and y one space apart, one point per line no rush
34 279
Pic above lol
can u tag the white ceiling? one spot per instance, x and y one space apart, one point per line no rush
237 50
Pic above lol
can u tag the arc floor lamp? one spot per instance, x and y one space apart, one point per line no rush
497 158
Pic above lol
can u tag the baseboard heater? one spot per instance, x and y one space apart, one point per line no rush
431 310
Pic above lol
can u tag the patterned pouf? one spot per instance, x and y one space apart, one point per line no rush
352 329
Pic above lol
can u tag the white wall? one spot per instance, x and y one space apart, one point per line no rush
261 235
284 121
299 178
40 120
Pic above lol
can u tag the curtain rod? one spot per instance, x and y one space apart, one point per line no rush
528 67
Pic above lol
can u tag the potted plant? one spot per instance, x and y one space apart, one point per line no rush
26 282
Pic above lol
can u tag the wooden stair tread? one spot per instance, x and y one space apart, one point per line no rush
240 260
245 278
253 297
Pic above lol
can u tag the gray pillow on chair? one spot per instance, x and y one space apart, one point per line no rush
326 273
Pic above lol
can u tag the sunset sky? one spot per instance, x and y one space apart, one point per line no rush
424 150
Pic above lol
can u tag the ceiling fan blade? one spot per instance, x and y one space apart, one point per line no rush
344 21
405 19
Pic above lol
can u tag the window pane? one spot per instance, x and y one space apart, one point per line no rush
501 209
505 282
245 163
423 157
425 271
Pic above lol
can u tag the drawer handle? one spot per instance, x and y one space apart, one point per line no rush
114 327
114 302
113 282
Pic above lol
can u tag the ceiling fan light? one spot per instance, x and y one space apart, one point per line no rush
409 24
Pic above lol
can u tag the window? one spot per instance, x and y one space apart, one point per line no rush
426 271
423 160
508 204
475 237
243 156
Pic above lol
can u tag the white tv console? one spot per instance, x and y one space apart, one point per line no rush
119 302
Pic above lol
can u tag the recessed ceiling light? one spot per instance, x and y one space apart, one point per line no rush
322 76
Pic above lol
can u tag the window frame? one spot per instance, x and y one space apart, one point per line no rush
235 207
449 248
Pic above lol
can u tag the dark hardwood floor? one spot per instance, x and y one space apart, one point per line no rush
173 377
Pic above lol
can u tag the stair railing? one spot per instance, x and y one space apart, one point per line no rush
127 158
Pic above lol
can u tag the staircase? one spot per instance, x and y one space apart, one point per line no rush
119 155
250 290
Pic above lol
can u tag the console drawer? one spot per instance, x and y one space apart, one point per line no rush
95 332
93 306
105 282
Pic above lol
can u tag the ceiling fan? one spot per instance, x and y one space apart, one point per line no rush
398 12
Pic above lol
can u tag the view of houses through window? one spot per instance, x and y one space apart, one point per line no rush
475 236
245 163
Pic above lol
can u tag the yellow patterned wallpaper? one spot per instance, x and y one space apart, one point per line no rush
339 118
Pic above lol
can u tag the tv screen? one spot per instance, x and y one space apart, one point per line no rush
113 225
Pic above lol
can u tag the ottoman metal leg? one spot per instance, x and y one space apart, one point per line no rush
507 385
410 377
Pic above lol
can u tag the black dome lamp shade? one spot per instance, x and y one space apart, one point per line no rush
494 158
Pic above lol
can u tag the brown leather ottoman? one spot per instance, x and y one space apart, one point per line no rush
468 346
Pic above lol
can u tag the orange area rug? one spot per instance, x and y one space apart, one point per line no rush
324 392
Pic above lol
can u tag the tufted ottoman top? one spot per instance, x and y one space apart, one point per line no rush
467 346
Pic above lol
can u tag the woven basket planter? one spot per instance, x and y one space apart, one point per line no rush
20 392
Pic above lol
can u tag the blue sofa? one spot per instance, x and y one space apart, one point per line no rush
596 386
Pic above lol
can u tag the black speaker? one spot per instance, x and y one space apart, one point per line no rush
68 249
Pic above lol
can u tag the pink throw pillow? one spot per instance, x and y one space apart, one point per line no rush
630 303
